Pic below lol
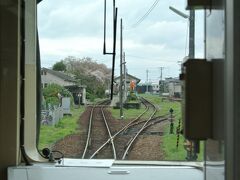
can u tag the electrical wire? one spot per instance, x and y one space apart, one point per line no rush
146 14
147 58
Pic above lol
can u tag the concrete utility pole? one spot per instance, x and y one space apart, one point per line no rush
121 73
160 82
125 76
147 81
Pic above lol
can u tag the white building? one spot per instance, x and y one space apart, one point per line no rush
155 88
174 87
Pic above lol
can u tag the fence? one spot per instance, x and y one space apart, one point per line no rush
51 116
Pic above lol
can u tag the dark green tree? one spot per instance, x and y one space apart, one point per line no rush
59 66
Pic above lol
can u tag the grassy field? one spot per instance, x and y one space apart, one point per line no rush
67 125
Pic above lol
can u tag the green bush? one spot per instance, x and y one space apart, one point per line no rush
52 91
53 101
90 96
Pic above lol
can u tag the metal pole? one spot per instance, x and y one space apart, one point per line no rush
192 34
114 51
121 74
104 35
193 155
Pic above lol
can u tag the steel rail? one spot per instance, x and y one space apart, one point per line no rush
104 102
89 133
155 122
101 106
142 128
140 122
90 125
148 125
121 130
110 134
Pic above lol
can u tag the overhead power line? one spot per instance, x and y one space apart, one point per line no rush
146 14
149 58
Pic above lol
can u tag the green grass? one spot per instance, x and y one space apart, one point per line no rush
128 113
164 105
133 113
177 154
66 126
153 98
170 140
171 152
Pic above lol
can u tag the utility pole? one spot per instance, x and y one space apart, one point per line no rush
161 82
191 55
121 73
192 34
147 81
191 19
125 76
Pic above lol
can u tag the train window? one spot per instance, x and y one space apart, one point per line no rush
80 115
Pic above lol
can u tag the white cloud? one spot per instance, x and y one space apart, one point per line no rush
75 27
68 46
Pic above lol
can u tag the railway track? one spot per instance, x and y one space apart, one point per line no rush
144 126
103 137
118 132
122 144
96 135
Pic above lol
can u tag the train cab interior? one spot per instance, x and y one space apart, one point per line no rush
218 124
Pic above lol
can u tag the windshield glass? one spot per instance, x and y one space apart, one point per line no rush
129 109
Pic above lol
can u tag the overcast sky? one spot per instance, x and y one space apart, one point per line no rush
75 28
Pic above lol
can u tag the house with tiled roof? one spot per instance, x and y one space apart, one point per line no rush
49 76
129 78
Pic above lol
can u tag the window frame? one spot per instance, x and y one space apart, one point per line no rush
30 125
30 105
